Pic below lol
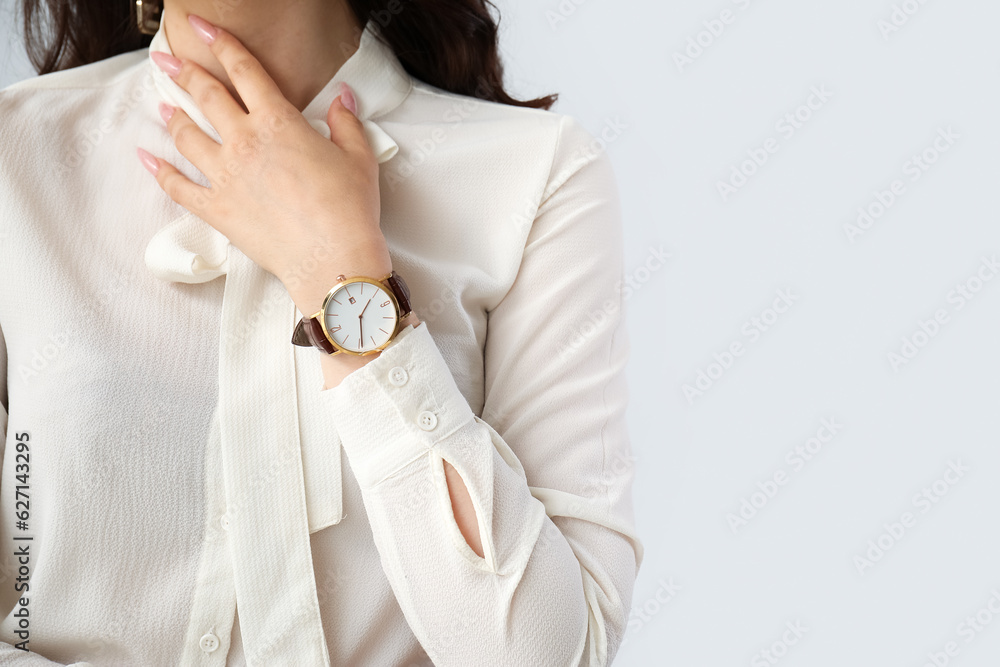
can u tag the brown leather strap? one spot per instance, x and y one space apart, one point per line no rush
313 331
401 291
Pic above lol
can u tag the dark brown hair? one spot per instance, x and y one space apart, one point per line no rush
450 44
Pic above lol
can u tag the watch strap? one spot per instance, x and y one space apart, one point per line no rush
309 331
401 291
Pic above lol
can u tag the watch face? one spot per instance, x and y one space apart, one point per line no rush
360 316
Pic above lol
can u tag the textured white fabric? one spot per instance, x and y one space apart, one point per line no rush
185 461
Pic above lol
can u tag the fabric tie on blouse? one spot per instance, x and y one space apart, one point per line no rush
281 454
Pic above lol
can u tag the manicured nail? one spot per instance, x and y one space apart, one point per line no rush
347 97
148 161
205 30
166 111
167 62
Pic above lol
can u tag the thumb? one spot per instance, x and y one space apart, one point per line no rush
346 129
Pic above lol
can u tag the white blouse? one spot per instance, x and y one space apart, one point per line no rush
170 457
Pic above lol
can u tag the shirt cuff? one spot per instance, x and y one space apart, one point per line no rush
393 410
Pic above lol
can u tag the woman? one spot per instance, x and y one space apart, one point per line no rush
184 483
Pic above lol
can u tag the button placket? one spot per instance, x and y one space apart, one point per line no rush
214 603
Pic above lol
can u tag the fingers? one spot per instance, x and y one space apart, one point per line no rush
218 105
199 148
214 100
178 187
346 130
255 86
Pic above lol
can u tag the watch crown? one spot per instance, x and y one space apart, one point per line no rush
341 277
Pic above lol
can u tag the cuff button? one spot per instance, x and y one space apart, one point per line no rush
427 420
398 376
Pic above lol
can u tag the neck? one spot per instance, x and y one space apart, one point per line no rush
301 45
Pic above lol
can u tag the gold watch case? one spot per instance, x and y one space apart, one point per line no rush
343 281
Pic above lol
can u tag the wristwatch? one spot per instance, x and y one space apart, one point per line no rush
360 315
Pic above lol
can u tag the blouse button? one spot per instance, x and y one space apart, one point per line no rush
427 420
209 642
224 520
398 376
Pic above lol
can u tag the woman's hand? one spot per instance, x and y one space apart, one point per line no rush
302 207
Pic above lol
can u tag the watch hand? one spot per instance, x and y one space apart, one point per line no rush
361 320
366 306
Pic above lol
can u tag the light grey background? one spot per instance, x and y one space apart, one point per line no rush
706 594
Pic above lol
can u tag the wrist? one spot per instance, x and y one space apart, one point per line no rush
338 366
309 292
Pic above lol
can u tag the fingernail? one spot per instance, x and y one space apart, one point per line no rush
205 30
148 161
166 111
347 97
167 62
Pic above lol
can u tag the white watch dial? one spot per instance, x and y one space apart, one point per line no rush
360 316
